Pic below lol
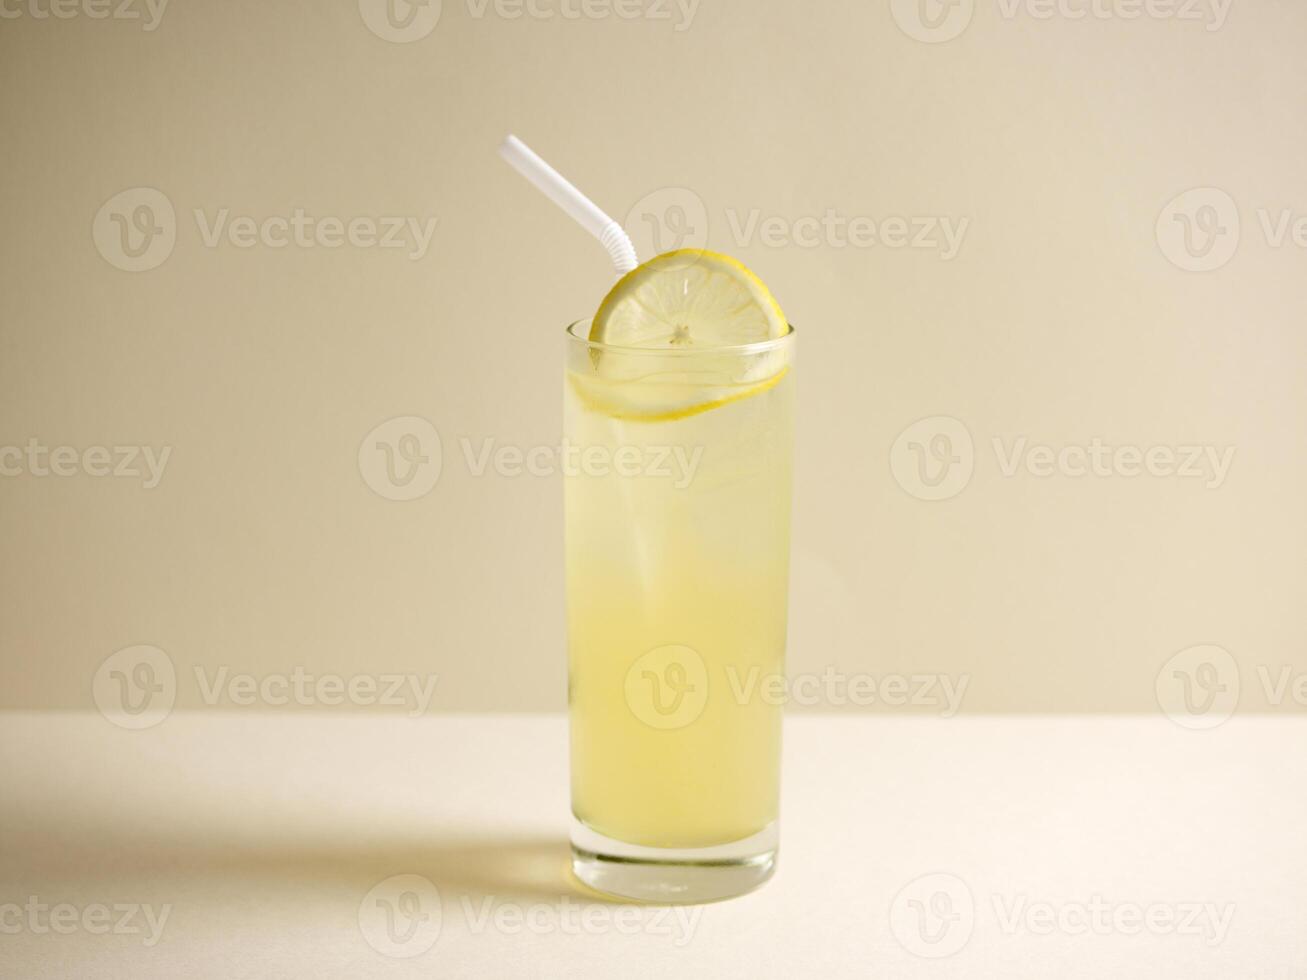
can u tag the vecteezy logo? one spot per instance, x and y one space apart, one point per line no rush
933 459
401 458
933 916
400 917
666 220
136 229
136 687
400 21
1199 229
1199 687
667 687
932 21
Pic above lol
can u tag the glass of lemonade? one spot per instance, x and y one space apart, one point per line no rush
677 567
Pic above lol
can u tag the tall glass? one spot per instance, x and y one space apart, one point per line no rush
677 496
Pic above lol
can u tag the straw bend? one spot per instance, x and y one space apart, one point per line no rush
582 210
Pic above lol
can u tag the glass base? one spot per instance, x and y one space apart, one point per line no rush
672 876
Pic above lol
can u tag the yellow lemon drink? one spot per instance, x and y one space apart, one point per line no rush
678 424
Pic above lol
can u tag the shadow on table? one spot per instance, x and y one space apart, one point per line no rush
507 868
468 864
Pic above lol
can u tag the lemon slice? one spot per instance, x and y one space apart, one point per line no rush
662 402
672 330
688 299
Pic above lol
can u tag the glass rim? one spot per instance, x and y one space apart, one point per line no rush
757 347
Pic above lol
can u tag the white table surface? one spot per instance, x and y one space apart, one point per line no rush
264 835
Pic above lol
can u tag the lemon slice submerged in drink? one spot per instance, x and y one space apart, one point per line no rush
691 299
676 326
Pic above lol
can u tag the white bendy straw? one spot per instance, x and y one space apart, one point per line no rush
580 208
614 239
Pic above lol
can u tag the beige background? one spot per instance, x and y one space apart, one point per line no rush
1063 318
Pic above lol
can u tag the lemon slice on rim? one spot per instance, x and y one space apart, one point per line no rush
672 330
690 299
